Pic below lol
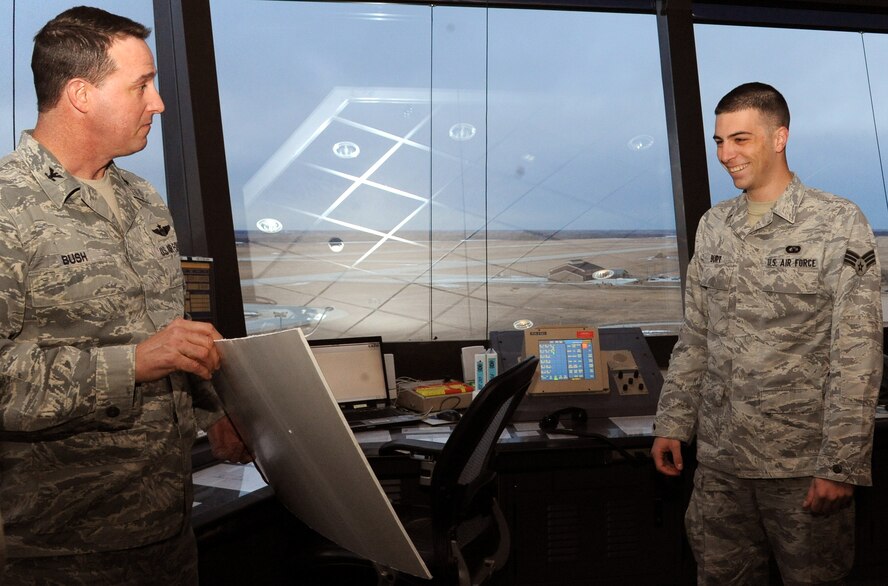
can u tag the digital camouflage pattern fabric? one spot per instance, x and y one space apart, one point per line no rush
778 364
89 461
731 522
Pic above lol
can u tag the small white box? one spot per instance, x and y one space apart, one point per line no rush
485 369
468 362
480 372
491 366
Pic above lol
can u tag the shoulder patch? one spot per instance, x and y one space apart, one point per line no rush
860 262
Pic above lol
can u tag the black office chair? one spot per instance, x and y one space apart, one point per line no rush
463 537
460 532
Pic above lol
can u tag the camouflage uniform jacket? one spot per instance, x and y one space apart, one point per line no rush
89 460
778 363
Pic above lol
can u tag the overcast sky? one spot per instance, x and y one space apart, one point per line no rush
567 107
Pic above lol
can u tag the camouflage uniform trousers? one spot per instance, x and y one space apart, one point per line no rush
733 524
172 562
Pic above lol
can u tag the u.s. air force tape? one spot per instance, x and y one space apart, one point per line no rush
860 262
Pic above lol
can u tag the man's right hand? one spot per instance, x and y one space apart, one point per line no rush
183 345
666 453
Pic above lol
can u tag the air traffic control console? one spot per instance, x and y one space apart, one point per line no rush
609 372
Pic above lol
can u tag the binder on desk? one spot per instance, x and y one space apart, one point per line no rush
274 391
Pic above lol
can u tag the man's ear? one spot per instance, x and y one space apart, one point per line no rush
781 136
77 92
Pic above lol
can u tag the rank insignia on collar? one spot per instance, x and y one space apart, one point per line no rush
860 262
52 174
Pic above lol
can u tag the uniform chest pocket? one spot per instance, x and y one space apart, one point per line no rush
718 276
791 282
154 252
717 281
93 296
794 308
76 283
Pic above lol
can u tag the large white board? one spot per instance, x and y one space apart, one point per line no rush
278 399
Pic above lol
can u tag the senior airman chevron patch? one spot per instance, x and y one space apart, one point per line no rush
860 263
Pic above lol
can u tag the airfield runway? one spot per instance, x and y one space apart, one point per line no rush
459 289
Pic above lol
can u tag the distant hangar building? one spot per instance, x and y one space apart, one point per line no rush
578 271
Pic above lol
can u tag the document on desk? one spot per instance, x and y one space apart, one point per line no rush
278 399
639 425
242 478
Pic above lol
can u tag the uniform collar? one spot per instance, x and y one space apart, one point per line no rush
786 206
54 180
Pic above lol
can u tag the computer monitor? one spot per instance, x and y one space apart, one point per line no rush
354 368
570 359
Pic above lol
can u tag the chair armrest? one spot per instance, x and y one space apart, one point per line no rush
421 447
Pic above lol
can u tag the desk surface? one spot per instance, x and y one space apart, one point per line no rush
594 497
221 489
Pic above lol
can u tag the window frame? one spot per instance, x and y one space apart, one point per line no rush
192 126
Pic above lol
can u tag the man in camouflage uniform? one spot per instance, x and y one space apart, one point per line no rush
98 411
777 366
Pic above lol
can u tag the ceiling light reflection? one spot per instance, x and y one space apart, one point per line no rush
269 225
336 244
346 149
640 142
462 131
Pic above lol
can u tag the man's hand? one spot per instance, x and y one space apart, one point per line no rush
226 444
827 496
183 345
666 453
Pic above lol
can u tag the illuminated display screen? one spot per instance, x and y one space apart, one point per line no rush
567 360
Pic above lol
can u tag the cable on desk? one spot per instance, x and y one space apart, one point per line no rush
444 407
633 459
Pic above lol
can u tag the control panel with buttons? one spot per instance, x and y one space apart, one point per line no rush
625 376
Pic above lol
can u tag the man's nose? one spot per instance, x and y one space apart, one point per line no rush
156 103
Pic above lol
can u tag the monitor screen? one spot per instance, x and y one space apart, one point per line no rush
353 368
570 359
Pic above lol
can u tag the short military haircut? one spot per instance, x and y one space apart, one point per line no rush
758 96
75 44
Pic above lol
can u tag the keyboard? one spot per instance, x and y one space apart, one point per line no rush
375 413
381 417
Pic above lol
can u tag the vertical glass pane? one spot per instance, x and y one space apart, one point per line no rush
437 172
459 261
825 79
29 18
581 222
876 47
7 134
329 163
836 84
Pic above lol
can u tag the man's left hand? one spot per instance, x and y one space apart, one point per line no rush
827 496
226 444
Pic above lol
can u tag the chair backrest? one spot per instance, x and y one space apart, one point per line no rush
464 464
